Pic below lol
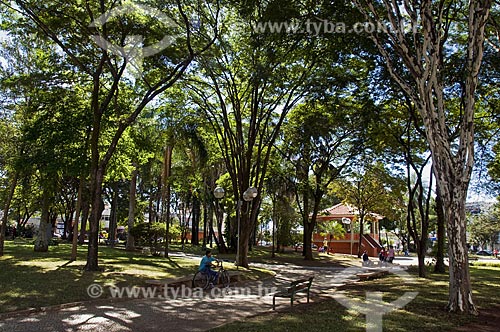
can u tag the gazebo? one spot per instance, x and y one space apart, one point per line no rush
346 214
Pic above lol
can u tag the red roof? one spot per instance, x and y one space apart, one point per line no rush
340 211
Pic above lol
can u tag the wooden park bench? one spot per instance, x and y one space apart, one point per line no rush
297 286
372 275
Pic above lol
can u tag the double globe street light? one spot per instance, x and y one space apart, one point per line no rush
247 196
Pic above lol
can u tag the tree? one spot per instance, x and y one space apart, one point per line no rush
485 227
10 177
333 229
416 58
367 192
132 209
245 89
282 195
66 203
52 147
419 203
440 233
214 206
66 24
322 141
43 141
407 139
400 139
184 158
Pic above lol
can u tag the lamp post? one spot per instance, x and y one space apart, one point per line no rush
247 196
218 193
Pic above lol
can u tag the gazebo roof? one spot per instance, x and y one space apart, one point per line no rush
340 211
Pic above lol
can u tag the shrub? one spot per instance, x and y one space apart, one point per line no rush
148 234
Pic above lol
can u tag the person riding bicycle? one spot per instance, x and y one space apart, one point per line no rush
206 265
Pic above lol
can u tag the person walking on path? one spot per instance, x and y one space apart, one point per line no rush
381 256
366 259
390 255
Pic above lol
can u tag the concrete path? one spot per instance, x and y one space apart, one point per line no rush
195 312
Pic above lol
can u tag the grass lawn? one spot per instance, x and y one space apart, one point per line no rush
32 280
293 257
425 313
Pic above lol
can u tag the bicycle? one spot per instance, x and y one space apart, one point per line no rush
204 280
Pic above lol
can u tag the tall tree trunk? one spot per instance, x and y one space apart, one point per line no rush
42 240
460 285
165 197
311 223
211 215
421 252
67 224
274 219
151 209
243 239
159 197
195 221
77 220
440 267
302 170
113 218
85 216
246 225
131 209
423 57
361 232
205 222
308 231
5 217
419 202
219 218
94 220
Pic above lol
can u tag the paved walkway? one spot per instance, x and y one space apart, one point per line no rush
195 313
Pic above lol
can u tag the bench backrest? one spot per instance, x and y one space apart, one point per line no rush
300 284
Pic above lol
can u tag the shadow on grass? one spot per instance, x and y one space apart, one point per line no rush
32 279
25 286
425 313
292 257
65 264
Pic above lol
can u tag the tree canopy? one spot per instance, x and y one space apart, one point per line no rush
144 108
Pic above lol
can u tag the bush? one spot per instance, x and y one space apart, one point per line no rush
147 234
